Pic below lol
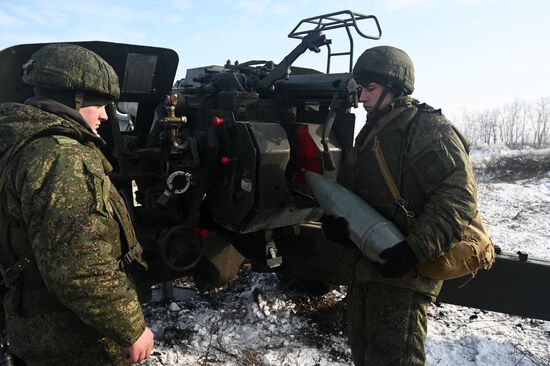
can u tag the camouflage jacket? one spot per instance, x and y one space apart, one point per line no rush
60 202
428 160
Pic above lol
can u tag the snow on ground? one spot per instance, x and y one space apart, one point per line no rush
257 322
260 321
518 215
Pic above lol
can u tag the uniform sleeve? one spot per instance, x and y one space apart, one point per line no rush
71 230
443 169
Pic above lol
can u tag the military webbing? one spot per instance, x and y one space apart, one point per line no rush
128 257
130 242
390 182
381 160
383 122
385 170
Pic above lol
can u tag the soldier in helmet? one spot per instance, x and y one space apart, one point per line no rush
65 228
412 165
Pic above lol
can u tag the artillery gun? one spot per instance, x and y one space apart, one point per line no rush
211 166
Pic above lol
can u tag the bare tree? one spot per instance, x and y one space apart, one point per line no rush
467 122
512 132
489 126
541 122
516 124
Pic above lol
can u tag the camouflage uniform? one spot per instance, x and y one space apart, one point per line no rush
429 162
72 305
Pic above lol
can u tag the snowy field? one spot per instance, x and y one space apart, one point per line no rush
260 322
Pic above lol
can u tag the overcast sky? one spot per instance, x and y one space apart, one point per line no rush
468 53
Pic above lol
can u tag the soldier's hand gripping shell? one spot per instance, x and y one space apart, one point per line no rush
400 261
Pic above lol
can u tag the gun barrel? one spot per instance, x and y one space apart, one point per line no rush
316 87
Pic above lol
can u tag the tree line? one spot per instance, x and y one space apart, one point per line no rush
517 124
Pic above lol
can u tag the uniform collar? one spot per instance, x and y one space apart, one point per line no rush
61 110
404 102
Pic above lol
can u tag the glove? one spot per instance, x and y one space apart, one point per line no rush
335 228
400 261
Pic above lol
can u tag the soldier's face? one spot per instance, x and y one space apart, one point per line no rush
370 94
94 115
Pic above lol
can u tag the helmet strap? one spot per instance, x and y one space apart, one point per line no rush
381 98
78 100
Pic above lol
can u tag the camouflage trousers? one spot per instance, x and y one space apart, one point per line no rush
60 339
386 325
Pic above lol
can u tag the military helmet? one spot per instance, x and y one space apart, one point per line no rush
68 67
386 65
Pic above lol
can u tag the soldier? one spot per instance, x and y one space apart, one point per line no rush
64 226
412 165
